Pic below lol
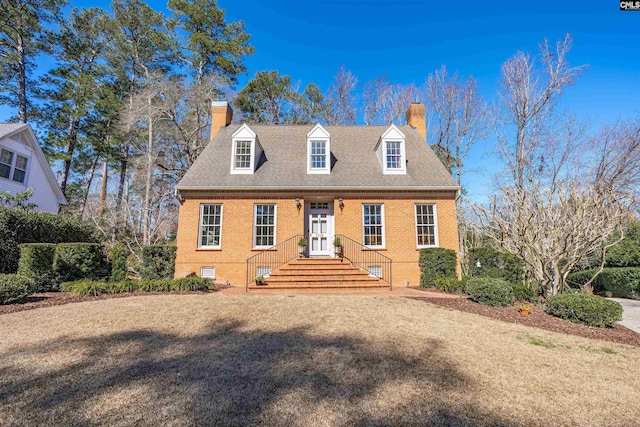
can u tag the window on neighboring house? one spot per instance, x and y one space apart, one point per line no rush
426 230
373 225
20 170
210 225
394 155
264 225
208 272
318 154
243 155
6 161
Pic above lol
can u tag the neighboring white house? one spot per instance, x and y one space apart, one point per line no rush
23 166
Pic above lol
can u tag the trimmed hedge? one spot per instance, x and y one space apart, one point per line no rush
93 287
435 263
621 282
490 291
580 307
158 262
449 284
118 263
495 264
524 293
36 263
14 288
75 261
21 226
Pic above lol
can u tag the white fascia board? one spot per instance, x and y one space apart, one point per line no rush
318 131
393 133
289 188
44 164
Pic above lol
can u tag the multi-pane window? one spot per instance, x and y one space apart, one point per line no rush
373 225
20 170
426 225
318 154
243 155
394 155
210 225
6 160
265 225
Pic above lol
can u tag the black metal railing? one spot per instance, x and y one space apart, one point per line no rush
366 258
271 258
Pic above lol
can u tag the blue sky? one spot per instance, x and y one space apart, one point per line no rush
408 39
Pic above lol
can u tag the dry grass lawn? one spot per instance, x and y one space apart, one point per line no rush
304 360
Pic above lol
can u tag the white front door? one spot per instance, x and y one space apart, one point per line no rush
320 226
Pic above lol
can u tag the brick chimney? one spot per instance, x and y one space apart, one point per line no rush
416 118
221 116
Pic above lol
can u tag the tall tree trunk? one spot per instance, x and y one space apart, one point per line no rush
103 189
72 139
121 185
22 83
92 174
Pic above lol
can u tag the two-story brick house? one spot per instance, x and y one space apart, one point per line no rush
256 190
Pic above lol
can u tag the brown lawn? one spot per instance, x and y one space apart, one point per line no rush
214 359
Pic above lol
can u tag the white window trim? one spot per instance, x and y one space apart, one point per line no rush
393 134
384 239
319 133
275 226
200 246
12 166
435 225
244 133
208 267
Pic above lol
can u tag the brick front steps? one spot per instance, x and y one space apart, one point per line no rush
319 273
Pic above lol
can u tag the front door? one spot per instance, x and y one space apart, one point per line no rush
320 226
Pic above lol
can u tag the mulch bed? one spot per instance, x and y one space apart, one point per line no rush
48 299
537 318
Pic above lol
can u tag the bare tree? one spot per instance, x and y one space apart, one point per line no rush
394 103
373 94
458 118
550 210
341 100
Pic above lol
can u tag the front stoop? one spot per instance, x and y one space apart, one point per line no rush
319 273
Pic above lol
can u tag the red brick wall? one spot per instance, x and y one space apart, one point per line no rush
237 232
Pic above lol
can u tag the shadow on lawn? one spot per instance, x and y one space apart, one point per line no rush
233 376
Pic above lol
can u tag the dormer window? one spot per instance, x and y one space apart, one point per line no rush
391 152
246 151
318 151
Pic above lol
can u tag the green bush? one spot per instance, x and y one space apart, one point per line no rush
449 284
627 252
36 263
77 261
581 307
94 287
524 293
490 291
621 282
14 289
158 262
118 263
435 263
495 264
21 226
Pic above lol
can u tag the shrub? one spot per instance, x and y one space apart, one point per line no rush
524 293
581 307
158 262
618 282
14 288
435 263
86 287
76 261
490 291
21 226
36 263
627 252
449 284
191 284
118 262
495 264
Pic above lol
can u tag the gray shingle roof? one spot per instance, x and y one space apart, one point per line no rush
356 164
8 128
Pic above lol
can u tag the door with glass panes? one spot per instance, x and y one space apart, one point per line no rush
320 228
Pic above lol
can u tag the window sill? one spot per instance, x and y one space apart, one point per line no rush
208 249
427 247
373 248
263 249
